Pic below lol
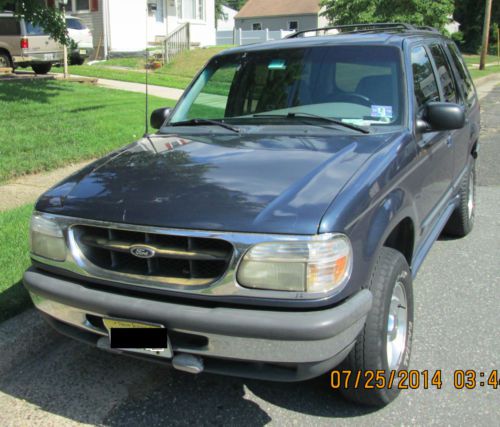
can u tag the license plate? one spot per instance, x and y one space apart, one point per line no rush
83 51
48 56
138 337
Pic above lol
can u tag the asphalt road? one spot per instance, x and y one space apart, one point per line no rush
56 381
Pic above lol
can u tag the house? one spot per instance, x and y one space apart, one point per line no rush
226 23
130 25
277 15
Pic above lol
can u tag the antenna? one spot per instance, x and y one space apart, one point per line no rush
146 127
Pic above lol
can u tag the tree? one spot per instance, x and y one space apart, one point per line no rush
36 12
470 15
434 13
235 4
219 12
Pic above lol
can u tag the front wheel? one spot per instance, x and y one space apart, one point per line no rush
41 68
384 345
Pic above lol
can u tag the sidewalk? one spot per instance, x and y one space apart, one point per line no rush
159 91
26 189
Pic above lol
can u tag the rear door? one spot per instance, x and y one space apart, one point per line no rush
41 43
435 167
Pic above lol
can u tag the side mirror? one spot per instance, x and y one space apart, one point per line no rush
440 116
159 116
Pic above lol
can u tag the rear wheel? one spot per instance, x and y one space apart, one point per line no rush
384 345
5 61
41 68
461 221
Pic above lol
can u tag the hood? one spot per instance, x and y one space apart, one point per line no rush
245 183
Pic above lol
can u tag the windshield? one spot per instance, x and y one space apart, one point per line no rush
75 24
358 85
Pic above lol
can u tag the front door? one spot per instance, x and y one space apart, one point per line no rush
435 148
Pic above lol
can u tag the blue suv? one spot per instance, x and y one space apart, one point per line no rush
273 225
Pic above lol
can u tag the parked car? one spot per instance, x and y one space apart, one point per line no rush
273 226
81 35
23 44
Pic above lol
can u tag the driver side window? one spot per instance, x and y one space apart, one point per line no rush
424 80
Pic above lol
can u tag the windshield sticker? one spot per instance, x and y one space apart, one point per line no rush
277 64
382 111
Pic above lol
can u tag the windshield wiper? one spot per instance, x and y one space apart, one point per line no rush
300 114
201 122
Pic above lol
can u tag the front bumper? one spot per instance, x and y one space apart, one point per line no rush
266 344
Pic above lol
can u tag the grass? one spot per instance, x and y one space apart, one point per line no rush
476 73
474 59
14 253
46 124
177 75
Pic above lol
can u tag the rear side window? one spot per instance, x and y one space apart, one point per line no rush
424 80
465 80
34 30
9 27
75 24
445 74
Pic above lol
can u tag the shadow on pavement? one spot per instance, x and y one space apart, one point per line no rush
83 384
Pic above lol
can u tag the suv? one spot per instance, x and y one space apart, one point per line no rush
23 44
272 227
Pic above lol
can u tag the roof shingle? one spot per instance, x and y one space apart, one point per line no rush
262 8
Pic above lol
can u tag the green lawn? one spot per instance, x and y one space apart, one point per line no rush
45 124
178 74
476 73
474 59
14 256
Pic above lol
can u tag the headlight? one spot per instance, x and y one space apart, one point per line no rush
318 265
46 238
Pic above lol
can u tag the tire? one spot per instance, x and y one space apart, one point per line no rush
391 286
461 221
5 61
41 68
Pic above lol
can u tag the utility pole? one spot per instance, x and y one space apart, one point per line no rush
486 34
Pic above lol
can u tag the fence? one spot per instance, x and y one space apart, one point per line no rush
240 37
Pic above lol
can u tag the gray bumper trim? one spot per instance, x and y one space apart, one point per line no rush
250 323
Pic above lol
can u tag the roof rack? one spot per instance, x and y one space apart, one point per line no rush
362 28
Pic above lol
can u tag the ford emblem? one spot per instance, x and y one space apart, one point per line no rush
144 252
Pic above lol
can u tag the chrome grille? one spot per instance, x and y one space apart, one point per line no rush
176 260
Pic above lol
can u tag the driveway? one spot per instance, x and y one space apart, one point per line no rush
52 380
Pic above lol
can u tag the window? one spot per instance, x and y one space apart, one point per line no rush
9 27
424 80
293 25
445 74
256 26
465 80
34 30
191 10
78 5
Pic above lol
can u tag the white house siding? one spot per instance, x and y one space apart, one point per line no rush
202 31
127 25
276 23
227 22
